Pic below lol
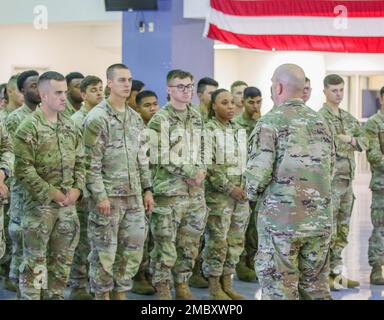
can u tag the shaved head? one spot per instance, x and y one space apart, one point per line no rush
287 82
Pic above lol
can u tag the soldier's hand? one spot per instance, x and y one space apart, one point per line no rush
3 190
238 194
149 203
59 198
104 207
200 177
345 138
71 197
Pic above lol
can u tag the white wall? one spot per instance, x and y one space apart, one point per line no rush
22 11
256 68
89 49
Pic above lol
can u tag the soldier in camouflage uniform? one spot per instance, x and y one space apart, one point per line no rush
15 100
91 88
49 163
252 104
205 87
237 90
226 198
179 218
116 181
307 90
374 131
146 105
74 99
6 170
290 159
27 84
349 138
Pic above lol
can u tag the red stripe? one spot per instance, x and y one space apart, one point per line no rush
300 42
322 8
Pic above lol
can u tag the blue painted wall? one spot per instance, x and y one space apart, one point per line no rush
176 43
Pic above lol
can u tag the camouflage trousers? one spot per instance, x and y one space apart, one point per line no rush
226 226
376 241
117 243
177 224
250 247
293 267
5 261
342 202
15 231
50 235
78 277
148 247
2 233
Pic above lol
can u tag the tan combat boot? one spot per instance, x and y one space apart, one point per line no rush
80 294
197 280
376 276
102 296
243 272
119 295
183 292
141 285
163 290
226 283
215 290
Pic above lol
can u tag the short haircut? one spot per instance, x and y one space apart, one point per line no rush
307 79
73 75
332 79
114 67
137 85
12 82
145 94
204 82
89 81
50 75
251 92
237 84
24 76
382 91
177 73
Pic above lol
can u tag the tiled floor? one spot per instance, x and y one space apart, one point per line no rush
356 259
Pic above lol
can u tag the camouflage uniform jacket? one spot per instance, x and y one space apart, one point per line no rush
79 116
12 122
290 160
345 123
174 135
374 131
69 109
6 150
48 157
229 152
246 123
113 148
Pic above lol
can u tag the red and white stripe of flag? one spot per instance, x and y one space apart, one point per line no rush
320 25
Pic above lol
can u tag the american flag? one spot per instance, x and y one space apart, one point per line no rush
314 25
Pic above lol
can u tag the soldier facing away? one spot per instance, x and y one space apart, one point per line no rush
49 163
290 160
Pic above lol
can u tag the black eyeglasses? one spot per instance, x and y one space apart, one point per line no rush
182 88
